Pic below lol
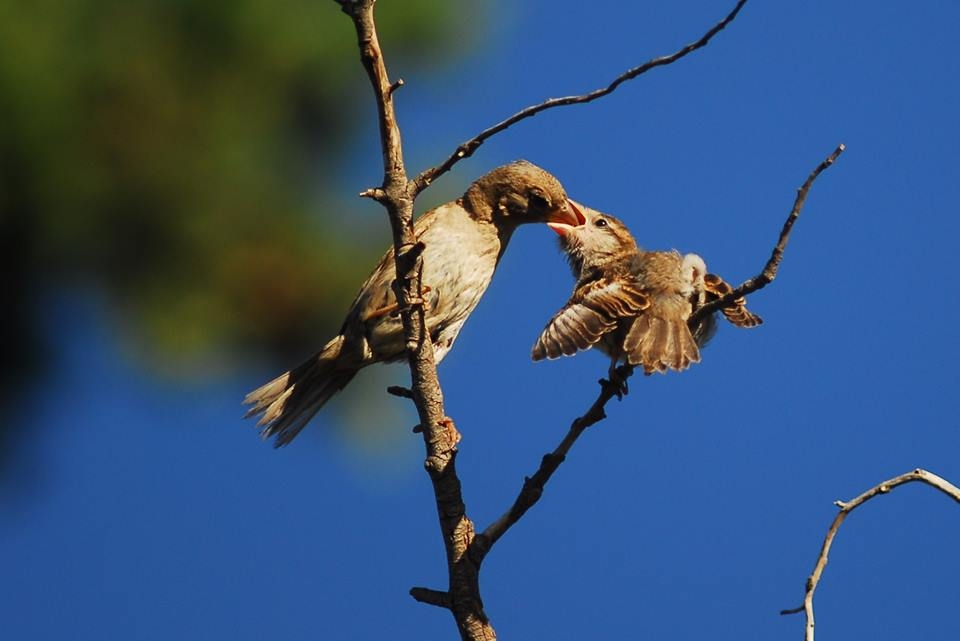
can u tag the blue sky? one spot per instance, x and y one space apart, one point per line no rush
697 508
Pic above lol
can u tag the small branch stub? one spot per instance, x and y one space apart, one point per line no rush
432 597
402 392
374 193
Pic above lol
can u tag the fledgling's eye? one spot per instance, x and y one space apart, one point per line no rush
600 222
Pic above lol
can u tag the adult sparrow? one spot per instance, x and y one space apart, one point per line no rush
633 305
463 242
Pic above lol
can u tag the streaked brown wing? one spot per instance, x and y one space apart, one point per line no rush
593 310
736 312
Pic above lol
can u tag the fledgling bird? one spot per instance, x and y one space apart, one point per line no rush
463 242
633 305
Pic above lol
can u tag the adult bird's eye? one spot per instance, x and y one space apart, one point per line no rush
600 222
537 199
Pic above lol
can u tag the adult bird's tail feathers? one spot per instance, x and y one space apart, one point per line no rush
289 401
659 344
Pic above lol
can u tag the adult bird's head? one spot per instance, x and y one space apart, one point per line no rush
520 193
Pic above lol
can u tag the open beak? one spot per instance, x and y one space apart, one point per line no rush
565 218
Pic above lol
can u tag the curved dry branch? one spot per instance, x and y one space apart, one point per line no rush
467 148
769 272
846 507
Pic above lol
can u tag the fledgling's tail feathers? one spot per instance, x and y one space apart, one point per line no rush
289 401
659 344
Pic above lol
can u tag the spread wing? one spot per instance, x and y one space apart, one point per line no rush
593 310
737 312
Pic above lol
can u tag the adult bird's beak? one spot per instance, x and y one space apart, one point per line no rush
565 218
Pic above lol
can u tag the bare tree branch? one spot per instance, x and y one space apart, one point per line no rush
846 507
769 272
467 148
533 486
439 434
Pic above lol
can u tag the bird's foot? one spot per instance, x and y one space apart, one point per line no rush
618 380
394 308
418 300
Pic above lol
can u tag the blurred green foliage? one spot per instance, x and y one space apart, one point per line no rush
174 157
171 153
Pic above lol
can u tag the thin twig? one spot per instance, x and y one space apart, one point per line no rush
846 507
467 148
769 272
533 486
